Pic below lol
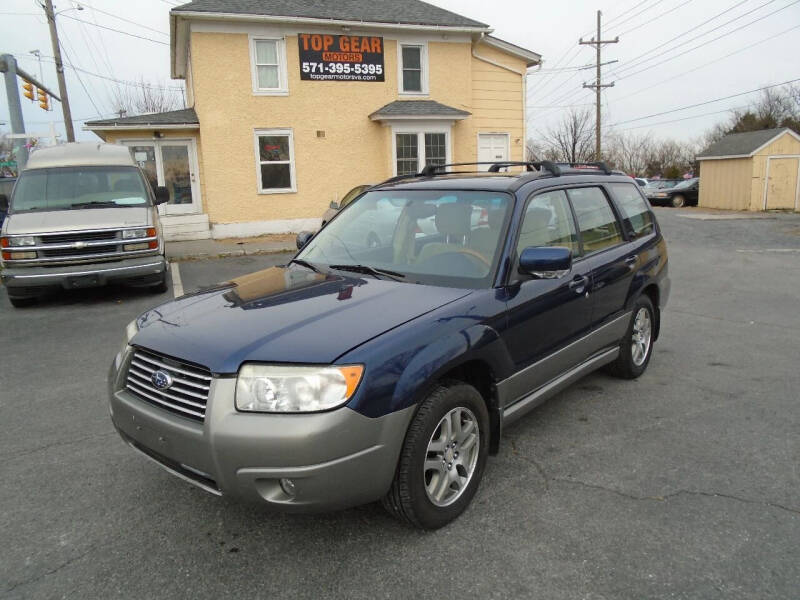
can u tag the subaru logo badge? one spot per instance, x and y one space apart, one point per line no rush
161 380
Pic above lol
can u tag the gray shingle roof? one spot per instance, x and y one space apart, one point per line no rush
418 108
185 116
409 12
738 144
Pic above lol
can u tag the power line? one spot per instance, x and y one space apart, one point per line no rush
674 56
716 112
141 37
666 112
77 75
113 16
637 14
674 8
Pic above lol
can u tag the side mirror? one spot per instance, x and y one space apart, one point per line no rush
545 262
162 194
3 202
303 238
334 205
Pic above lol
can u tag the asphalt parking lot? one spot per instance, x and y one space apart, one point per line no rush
682 484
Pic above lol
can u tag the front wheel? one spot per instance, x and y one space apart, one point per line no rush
637 344
443 457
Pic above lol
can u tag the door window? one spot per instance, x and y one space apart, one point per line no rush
145 157
633 208
548 222
597 223
413 150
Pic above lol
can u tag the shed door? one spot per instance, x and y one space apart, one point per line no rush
782 183
492 148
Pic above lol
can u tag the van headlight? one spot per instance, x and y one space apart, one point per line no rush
295 389
22 240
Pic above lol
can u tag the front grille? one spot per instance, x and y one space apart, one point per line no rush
188 394
86 236
57 252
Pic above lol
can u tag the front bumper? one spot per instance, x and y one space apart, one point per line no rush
335 459
22 281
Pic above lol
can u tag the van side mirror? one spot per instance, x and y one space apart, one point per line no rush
303 238
162 194
334 205
545 262
3 202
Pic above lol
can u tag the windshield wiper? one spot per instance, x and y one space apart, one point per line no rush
93 204
369 270
305 263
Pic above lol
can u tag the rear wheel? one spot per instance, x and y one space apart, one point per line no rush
678 201
637 344
443 457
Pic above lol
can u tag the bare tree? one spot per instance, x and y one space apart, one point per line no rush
146 98
572 140
776 107
629 152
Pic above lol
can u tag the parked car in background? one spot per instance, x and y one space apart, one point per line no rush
684 193
335 207
6 185
658 184
357 373
81 215
641 181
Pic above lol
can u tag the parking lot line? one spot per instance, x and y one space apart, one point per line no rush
177 284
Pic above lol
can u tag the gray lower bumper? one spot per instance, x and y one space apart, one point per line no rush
335 459
23 279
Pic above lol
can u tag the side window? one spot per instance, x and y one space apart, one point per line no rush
548 222
596 221
633 207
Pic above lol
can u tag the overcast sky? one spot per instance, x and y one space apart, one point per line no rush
644 84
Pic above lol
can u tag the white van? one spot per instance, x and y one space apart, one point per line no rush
81 215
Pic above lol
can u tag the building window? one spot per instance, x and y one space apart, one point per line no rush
413 75
415 149
275 160
269 66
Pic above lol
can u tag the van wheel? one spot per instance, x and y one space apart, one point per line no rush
637 344
161 286
21 302
443 457
678 201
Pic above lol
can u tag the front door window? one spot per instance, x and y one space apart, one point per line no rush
169 163
177 175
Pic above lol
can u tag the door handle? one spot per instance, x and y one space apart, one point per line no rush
578 284
631 261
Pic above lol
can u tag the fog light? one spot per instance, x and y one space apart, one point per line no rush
287 485
131 247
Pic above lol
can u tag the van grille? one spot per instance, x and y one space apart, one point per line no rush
56 252
86 236
186 396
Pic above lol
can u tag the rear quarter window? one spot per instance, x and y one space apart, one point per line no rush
633 207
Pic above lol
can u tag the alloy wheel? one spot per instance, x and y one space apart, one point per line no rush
451 456
641 336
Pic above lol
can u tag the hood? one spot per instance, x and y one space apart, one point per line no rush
288 315
77 219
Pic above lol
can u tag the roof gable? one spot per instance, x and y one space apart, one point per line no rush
743 144
405 12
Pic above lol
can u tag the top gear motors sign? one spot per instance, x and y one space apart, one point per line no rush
326 57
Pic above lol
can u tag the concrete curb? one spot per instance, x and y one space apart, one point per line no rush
226 254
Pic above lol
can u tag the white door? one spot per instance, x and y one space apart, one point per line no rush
492 147
173 164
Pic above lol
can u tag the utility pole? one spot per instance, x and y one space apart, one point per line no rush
598 84
8 64
62 84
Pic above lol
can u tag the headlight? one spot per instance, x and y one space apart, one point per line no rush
130 330
24 240
135 234
295 389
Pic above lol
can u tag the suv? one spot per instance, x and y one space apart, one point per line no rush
354 374
81 215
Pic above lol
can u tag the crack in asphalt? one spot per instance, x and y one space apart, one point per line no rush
529 459
55 445
675 494
40 576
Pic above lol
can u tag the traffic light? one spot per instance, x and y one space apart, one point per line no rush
44 100
28 93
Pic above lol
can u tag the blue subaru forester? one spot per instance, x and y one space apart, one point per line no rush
387 370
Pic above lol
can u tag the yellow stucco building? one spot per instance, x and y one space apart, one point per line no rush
293 104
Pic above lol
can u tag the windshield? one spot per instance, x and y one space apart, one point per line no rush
685 184
62 188
449 238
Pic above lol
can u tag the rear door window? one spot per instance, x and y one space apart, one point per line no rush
598 226
633 208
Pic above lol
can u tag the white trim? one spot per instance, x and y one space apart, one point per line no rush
503 133
152 126
277 132
757 150
420 129
283 74
699 158
423 63
257 228
533 58
796 185
495 63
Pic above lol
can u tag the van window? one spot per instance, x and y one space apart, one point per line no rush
78 187
633 207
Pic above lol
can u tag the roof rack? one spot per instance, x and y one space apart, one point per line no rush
495 166
599 165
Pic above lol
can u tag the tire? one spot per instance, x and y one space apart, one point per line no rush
678 201
21 302
161 286
634 356
423 493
